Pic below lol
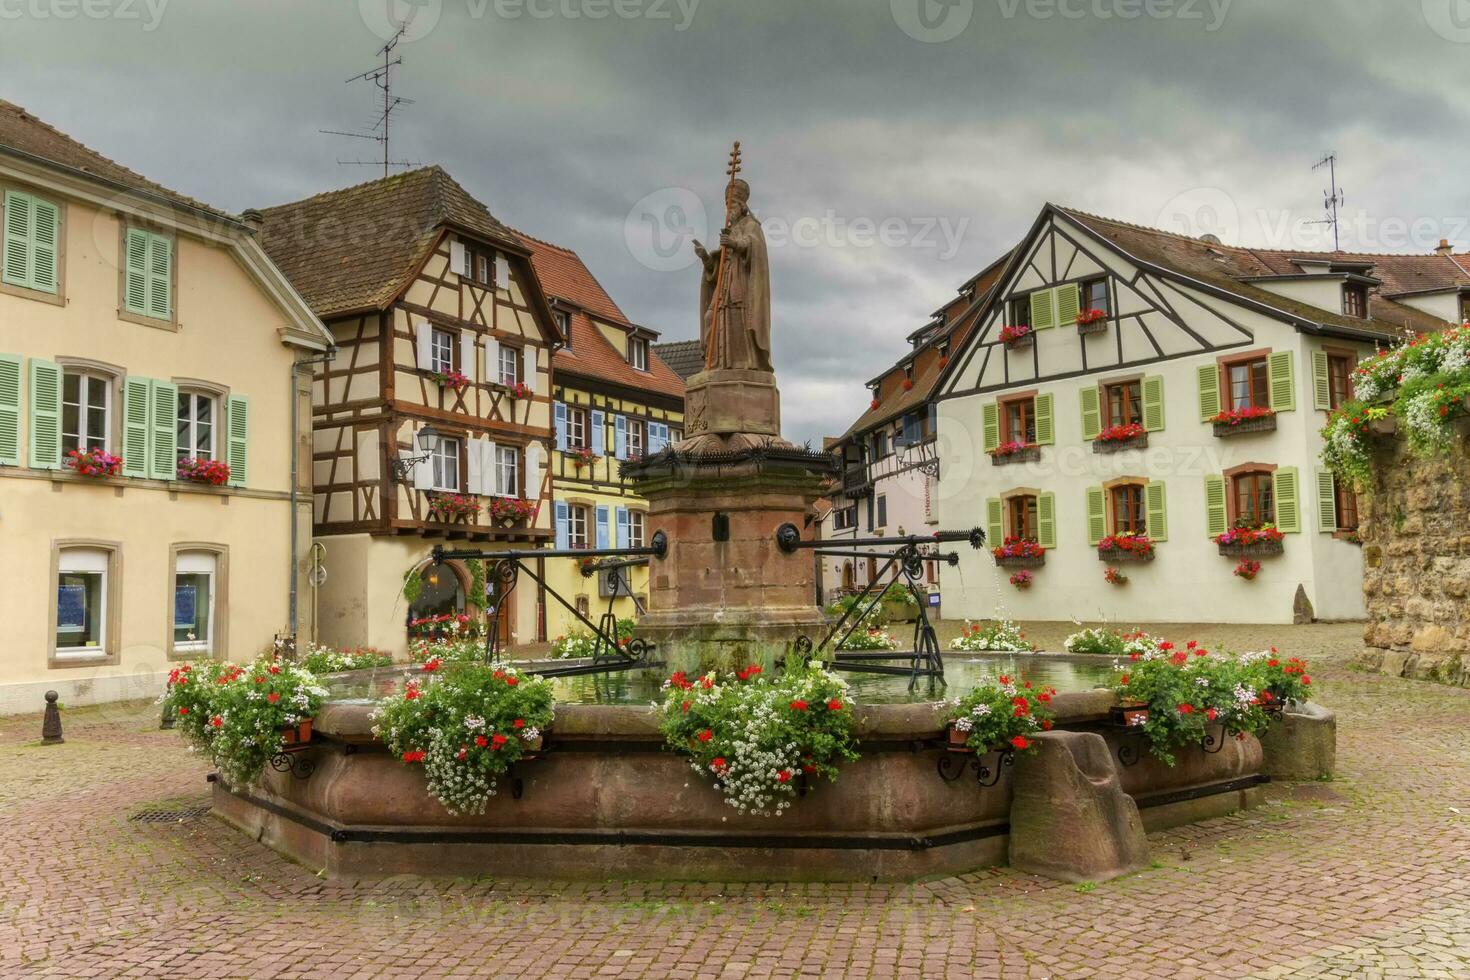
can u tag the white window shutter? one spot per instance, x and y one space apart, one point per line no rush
620 436
502 272
560 416
457 257
603 531
533 457
599 438
424 341
475 471
423 470
528 372
623 531
492 360
467 354
490 465
563 525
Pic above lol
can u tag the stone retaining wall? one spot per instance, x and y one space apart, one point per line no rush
1416 558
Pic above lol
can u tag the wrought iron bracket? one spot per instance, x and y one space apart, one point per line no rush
952 765
295 763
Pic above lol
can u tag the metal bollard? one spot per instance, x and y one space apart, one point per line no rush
51 722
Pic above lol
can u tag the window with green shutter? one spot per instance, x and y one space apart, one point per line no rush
162 452
1321 385
1153 403
1091 412
148 275
45 427
989 426
1326 500
1097 515
1046 434
1067 304
1217 514
137 425
1043 309
32 230
994 527
1046 520
1156 502
1282 381
238 439
9 410
1288 500
1209 393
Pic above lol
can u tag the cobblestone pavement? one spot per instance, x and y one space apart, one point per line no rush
1366 876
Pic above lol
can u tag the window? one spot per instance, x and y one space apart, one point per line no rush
638 353
635 429
564 324
196 426
1021 517
675 435
1355 300
1095 295
844 518
880 444
1255 498
1019 421
1129 515
577 525
83 579
1124 403
441 351
86 411
1465 307
508 470
1347 506
32 233
1248 384
1020 312
148 274
637 520
194 601
1339 379
444 460
510 365
882 510
577 427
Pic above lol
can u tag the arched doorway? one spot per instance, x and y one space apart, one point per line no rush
849 579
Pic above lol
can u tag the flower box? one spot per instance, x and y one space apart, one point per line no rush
1123 554
1024 340
1240 427
297 736
94 463
1020 561
1129 715
1267 548
1031 454
532 744
1093 326
958 740
1101 446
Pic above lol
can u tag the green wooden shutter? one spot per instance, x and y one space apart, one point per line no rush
45 230
989 426
1068 305
994 528
1209 393
1321 386
9 410
1043 309
1217 519
163 463
1046 520
1288 500
1326 499
160 276
1046 430
1158 510
238 451
1283 381
137 425
1153 403
45 434
17 239
1097 515
1091 412
135 272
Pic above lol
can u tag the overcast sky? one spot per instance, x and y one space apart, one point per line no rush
894 147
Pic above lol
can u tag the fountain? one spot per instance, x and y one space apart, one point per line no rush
730 582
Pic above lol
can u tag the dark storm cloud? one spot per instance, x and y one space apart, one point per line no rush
858 137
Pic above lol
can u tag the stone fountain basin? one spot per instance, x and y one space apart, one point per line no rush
607 800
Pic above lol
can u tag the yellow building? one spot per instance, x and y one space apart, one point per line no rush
140 324
613 400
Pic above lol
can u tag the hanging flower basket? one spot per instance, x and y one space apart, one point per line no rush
1242 421
1117 438
1248 569
1114 576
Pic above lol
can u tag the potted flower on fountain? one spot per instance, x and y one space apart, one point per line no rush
995 718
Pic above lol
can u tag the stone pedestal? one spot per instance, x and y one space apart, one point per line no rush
729 401
725 590
1301 744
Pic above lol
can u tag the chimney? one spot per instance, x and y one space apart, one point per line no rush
1445 248
253 219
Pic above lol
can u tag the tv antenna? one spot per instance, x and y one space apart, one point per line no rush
1333 197
382 77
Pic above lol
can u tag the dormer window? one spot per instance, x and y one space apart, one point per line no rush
638 353
564 324
1355 300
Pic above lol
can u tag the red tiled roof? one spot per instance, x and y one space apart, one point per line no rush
565 277
22 131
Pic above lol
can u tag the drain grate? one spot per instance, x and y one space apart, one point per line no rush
176 814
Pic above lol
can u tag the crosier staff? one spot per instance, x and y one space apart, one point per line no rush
720 284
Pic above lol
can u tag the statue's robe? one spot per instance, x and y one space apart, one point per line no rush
743 338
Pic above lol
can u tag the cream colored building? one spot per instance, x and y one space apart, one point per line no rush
137 322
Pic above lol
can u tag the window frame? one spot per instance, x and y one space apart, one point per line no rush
637 527
123 313
578 514
440 456
195 395
509 357
1250 362
508 463
1132 389
638 351
1345 501
636 438
578 418
1026 404
108 649
1018 311
1261 475
436 365
1027 505
1355 294
1085 287
1344 363
58 298
85 375
218 643
1136 488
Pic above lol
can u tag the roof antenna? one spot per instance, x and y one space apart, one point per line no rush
1334 197
382 77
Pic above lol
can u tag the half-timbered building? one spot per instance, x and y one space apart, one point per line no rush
433 423
1160 385
614 400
